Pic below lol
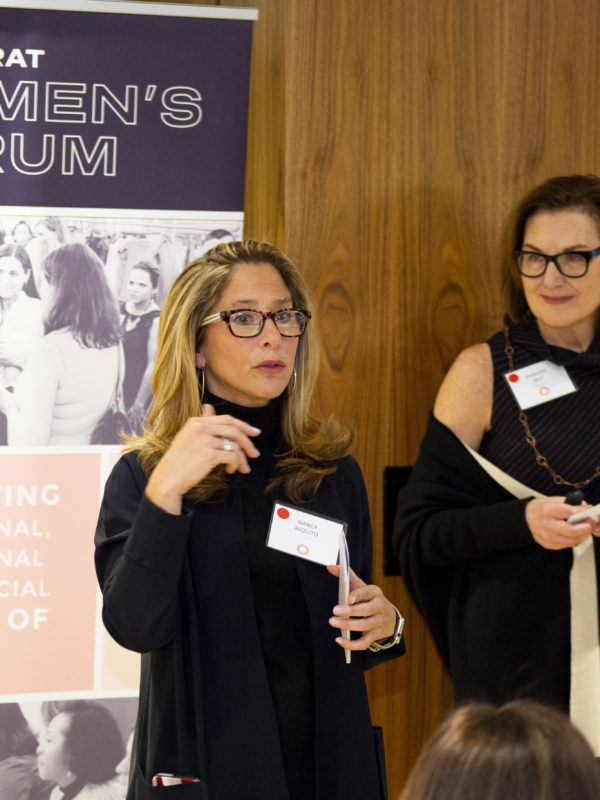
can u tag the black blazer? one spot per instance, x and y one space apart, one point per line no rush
205 705
497 603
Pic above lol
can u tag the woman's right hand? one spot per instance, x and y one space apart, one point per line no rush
195 450
547 521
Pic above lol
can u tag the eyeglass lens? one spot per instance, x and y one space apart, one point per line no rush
250 323
572 265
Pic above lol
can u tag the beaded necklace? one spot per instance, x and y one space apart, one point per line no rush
530 438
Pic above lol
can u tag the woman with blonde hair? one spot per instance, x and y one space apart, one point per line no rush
244 690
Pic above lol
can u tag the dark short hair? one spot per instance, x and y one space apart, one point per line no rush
93 742
522 750
152 270
22 256
22 222
219 233
17 252
562 193
84 302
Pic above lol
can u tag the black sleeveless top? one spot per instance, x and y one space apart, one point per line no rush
135 330
567 429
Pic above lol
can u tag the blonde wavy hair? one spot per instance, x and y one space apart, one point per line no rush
314 444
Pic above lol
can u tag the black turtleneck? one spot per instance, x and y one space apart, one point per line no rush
279 604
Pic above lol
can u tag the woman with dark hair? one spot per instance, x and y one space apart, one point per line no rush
522 750
20 318
79 751
48 235
139 330
21 233
202 244
486 533
215 237
247 681
19 778
71 376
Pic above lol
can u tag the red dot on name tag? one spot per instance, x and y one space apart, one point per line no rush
513 378
303 549
283 513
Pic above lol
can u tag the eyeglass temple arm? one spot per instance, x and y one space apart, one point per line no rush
213 318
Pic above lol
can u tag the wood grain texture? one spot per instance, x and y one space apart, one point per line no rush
388 142
411 131
264 196
361 220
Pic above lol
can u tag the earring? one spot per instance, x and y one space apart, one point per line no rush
201 383
70 777
293 381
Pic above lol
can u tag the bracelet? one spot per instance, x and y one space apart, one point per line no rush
375 647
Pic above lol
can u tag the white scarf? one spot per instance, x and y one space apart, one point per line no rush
584 697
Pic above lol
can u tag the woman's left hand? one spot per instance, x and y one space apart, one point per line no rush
368 612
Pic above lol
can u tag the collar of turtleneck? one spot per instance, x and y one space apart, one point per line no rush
529 336
267 418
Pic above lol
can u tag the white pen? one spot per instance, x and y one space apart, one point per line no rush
344 585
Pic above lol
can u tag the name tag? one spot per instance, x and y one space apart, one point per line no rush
305 535
538 383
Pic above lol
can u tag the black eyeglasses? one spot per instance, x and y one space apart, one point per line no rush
248 322
572 265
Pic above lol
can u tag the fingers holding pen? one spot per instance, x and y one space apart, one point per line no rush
547 520
368 613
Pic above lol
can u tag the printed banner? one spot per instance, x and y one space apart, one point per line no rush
47 560
123 110
122 159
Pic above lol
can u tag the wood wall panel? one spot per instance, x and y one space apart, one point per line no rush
388 142
265 165
361 217
411 129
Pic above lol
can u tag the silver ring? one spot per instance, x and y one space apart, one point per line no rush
227 445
